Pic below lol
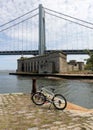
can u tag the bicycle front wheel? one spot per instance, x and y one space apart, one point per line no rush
38 98
59 102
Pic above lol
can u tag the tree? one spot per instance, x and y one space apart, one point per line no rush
89 61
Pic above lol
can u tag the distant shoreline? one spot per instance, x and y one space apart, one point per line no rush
8 71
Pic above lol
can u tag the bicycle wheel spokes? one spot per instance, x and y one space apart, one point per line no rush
59 102
38 98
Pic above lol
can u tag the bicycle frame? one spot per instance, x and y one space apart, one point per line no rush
43 96
48 94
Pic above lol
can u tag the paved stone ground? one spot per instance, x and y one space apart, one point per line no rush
17 112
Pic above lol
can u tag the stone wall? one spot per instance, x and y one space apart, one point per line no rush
49 63
75 66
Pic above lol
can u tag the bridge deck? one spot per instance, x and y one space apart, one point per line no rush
35 52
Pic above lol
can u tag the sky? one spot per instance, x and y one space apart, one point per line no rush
11 9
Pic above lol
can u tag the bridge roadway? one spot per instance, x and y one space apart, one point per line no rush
35 52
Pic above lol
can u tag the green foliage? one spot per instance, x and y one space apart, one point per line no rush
89 61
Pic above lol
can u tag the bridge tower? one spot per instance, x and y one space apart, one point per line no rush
41 30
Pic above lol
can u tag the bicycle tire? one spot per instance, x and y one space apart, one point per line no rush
59 102
38 98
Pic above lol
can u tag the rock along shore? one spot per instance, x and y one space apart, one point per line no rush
17 112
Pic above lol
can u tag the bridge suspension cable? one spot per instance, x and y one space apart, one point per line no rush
67 34
70 20
21 33
18 17
69 16
19 22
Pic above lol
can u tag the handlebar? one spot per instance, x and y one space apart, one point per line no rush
52 89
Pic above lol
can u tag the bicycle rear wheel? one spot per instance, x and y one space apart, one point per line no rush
38 98
59 102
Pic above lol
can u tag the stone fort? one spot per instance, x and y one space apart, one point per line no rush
54 62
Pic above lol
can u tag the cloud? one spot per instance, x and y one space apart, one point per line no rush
60 33
13 8
63 28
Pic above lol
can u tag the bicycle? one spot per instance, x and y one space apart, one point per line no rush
43 96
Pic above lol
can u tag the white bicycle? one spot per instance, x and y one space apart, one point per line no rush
44 95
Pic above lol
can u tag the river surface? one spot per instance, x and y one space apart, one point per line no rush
79 92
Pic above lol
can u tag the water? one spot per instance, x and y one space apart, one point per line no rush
75 91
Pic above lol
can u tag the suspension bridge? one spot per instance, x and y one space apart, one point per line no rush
43 30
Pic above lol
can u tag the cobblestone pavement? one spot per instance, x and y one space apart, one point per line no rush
17 112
